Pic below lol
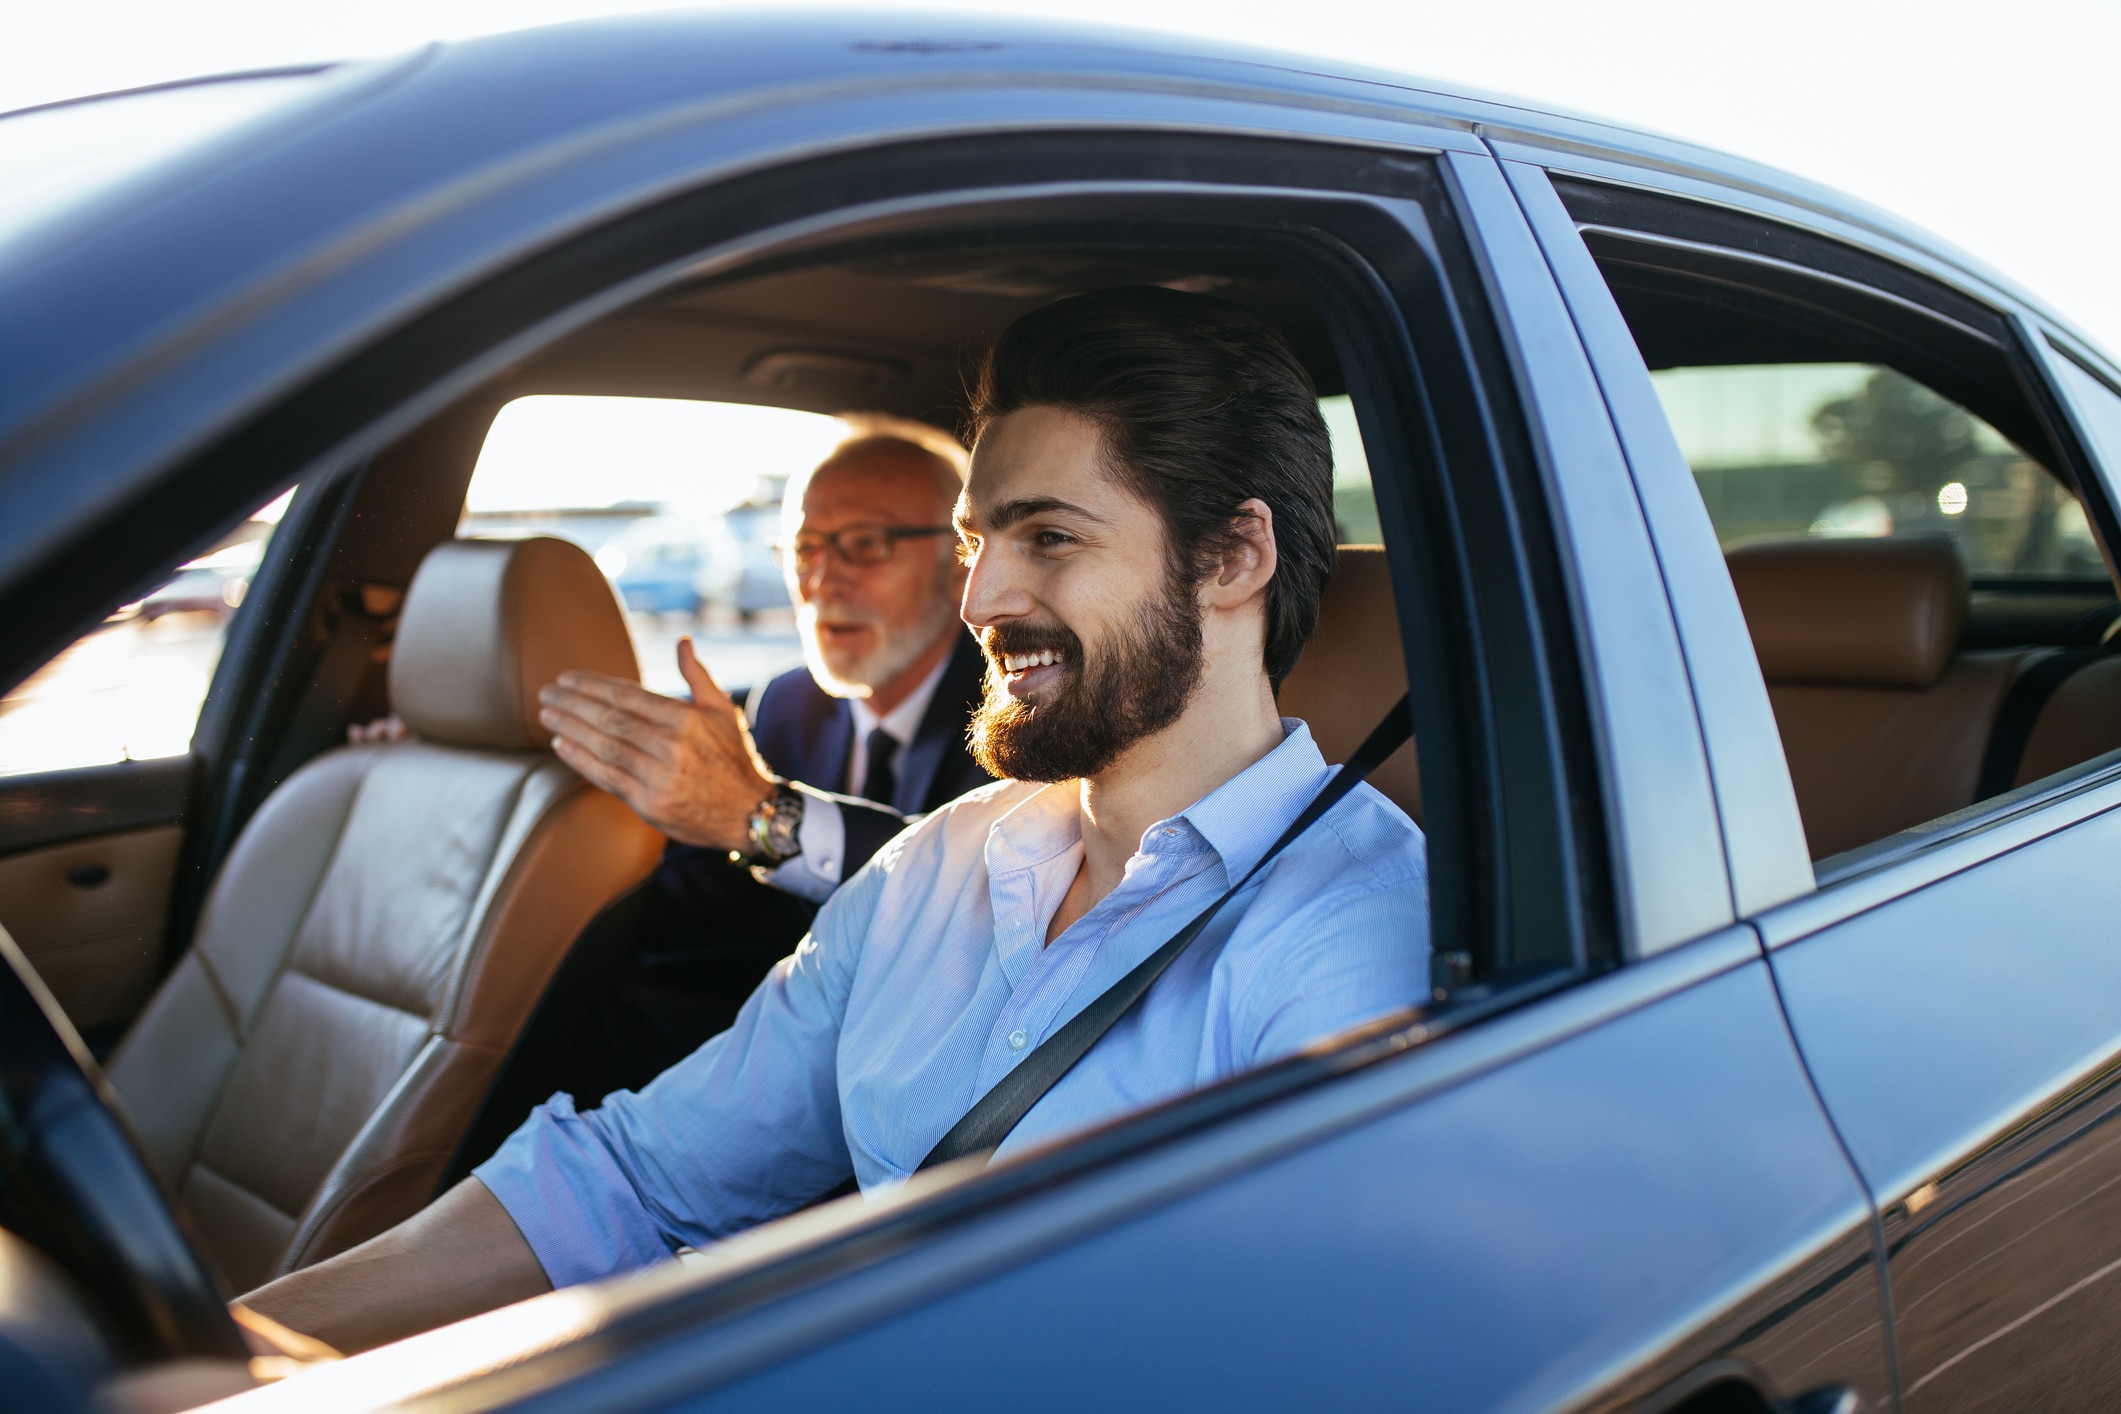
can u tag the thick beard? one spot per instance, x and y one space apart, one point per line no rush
1135 689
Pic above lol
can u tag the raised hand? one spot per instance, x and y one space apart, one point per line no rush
688 769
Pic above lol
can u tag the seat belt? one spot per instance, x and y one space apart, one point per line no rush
988 1122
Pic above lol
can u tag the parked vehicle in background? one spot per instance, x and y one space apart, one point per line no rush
757 585
1771 775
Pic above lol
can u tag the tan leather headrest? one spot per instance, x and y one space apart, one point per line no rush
1353 669
489 622
1875 613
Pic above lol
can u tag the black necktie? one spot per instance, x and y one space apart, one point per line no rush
880 780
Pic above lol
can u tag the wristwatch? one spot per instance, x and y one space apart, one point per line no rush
774 829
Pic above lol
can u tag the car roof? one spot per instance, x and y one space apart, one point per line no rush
154 314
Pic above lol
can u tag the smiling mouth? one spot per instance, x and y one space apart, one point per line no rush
1025 673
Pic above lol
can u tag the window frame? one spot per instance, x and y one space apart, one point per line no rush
1636 203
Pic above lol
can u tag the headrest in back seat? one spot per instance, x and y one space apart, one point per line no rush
489 622
1353 669
1875 613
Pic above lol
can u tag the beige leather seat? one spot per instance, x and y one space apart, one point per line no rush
1354 669
384 925
1883 722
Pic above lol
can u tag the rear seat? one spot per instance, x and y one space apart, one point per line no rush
1884 723
1353 670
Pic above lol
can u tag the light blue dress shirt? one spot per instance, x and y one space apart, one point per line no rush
927 978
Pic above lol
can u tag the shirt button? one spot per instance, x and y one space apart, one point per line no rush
1017 1040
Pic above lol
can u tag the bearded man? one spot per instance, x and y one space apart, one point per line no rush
1148 528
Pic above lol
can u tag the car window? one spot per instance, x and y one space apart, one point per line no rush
1354 502
680 503
1924 590
131 689
1845 450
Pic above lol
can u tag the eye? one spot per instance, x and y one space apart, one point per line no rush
1050 539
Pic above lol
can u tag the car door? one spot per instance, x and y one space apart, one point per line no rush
1952 988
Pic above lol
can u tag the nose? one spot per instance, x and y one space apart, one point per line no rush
992 592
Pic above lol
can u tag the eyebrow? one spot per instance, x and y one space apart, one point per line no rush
1008 513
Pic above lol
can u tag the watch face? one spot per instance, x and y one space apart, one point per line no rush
784 821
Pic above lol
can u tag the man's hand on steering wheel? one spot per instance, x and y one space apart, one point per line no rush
688 769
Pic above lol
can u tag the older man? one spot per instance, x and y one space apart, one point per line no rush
839 753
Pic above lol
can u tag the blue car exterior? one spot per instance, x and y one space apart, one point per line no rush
1679 1180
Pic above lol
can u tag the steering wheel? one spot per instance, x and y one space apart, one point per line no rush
74 1181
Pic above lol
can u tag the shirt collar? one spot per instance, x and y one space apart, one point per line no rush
1238 820
1244 815
902 721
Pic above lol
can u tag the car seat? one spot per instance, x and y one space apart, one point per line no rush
1884 722
384 925
1353 669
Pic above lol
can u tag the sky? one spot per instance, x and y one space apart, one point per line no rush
1993 125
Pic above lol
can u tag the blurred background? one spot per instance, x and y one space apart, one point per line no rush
1990 125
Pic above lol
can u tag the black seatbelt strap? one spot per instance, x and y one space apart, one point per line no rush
988 1123
2019 714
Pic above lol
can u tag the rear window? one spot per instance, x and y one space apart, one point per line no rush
1856 449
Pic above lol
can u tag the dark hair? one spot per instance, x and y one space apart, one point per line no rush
1203 406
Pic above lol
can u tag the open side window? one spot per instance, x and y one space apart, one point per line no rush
1915 543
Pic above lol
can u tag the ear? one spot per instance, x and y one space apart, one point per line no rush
1249 564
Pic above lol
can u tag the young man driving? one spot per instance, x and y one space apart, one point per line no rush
1148 528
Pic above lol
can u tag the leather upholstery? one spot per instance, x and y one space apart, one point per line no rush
2082 720
1867 762
1882 725
379 936
1354 669
1872 613
489 622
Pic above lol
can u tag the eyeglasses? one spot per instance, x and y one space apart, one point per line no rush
854 544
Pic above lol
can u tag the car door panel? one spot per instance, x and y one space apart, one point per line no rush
89 916
1650 1196
1965 1037
88 860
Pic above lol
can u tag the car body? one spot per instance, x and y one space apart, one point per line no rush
1689 1124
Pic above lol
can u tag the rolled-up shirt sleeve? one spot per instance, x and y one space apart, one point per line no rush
744 1129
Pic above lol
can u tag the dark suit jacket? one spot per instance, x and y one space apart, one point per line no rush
807 735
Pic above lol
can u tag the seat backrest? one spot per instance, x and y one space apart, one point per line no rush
1884 723
1354 669
384 925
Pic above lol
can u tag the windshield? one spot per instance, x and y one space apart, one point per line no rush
57 156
